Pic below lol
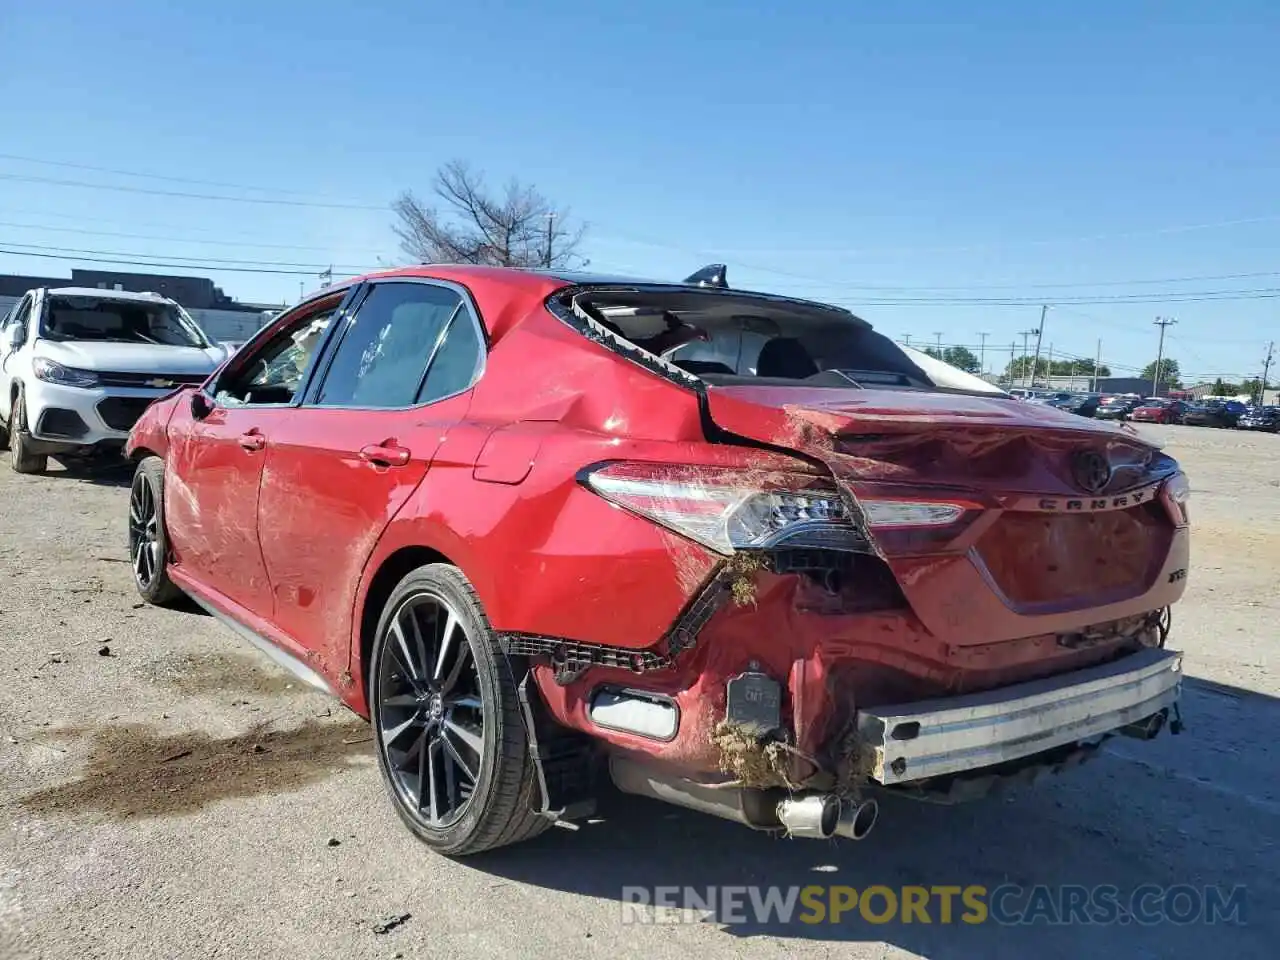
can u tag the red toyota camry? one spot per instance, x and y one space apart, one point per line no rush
740 551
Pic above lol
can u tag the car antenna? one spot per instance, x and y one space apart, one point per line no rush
712 275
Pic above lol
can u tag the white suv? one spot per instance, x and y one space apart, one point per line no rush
79 365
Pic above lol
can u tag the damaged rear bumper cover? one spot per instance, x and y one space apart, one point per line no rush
913 742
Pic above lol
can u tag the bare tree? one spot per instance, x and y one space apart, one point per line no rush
517 228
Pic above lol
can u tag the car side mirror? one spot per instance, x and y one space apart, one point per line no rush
17 337
201 405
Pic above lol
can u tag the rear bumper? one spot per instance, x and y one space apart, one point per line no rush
913 742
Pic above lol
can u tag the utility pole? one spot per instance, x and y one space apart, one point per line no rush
907 339
1096 364
938 334
1039 338
1162 323
1048 369
982 353
551 219
1026 372
1266 369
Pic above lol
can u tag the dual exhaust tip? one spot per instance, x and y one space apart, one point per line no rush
822 816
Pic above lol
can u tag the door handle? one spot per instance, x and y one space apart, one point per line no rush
252 440
384 455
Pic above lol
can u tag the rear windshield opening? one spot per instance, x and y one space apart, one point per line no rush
120 321
729 338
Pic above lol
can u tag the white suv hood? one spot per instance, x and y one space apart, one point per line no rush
130 357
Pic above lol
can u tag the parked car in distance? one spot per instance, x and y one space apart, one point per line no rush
1117 408
738 550
1212 414
1158 410
78 365
1081 404
1264 419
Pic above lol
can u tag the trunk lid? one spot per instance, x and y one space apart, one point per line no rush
1061 512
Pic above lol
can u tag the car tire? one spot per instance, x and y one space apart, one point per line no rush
21 459
148 539
447 723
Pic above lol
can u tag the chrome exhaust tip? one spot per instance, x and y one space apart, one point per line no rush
857 818
814 816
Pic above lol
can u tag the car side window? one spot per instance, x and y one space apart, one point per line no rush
457 361
276 371
18 316
384 351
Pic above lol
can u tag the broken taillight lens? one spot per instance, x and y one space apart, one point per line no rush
1176 493
728 509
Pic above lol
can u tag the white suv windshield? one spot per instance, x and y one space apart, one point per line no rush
120 321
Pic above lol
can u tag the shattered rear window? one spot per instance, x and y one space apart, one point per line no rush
728 338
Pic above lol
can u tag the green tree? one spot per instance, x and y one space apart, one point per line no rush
1170 373
1077 368
960 357
1017 368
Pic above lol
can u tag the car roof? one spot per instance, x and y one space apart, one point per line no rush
100 294
503 293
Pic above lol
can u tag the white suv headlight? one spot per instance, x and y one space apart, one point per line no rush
52 372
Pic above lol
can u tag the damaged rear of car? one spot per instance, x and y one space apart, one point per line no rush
863 569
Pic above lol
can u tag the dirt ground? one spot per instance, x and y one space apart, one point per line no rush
166 792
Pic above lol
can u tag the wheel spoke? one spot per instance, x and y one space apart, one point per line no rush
433 770
469 737
452 795
390 736
406 658
447 639
470 701
461 764
139 563
419 644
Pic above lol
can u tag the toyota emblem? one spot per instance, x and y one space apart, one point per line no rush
1092 471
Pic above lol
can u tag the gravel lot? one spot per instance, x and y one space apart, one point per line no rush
166 792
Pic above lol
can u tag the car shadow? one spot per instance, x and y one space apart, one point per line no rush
106 473
1198 808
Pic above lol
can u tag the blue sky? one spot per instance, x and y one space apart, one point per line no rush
867 154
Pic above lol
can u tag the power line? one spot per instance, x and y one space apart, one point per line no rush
1075 284
66 164
144 236
358 268
1256 293
168 266
731 254
222 198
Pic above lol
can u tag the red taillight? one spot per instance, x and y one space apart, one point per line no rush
727 509
730 509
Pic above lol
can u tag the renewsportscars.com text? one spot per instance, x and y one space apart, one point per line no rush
972 904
